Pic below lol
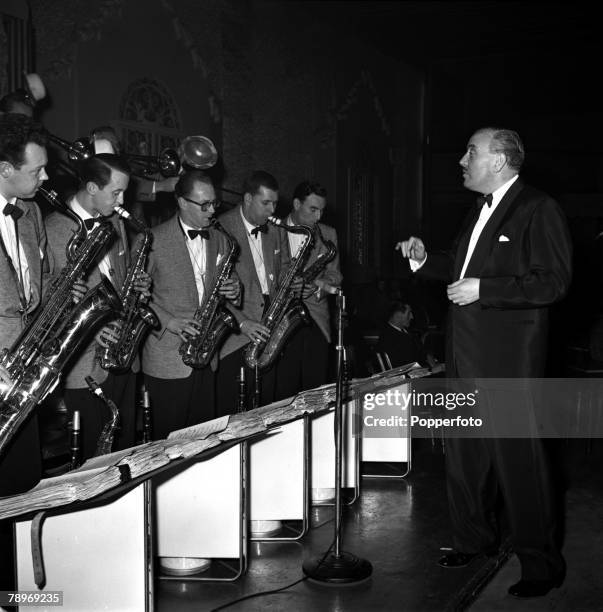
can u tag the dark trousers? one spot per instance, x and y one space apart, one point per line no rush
94 414
20 470
227 388
304 362
181 402
477 470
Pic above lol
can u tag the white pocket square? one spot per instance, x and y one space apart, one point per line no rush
277 251
503 238
219 258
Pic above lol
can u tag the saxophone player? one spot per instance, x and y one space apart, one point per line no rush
183 264
103 181
264 257
305 360
24 275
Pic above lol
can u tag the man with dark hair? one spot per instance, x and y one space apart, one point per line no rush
397 340
103 180
17 102
263 259
24 272
186 258
510 262
305 360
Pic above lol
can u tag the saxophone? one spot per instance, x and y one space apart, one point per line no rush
312 272
213 319
57 330
286 312
136 318
105 440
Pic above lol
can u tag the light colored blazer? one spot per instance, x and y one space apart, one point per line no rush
319 308
33 239
59 229
275 251
174 294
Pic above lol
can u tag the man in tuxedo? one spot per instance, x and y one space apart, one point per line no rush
396 339
510 262
186 257
305 360
103 180
24 275
264 257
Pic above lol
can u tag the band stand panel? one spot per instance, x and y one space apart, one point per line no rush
396 448
98 557
198 510
277 475
323 453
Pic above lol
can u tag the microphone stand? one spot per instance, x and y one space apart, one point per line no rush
74 442
338 567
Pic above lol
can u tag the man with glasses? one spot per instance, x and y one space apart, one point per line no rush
183 264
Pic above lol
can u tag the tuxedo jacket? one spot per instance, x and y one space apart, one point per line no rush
275 251
319 308
60 229
32 237
174 294
523 260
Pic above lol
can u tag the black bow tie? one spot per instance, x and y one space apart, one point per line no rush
487 199
89 223
260 228
192 233
14 211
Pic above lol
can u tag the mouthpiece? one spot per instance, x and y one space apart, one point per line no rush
122 212
94 386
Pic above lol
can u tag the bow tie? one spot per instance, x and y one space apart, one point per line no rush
192 233
487 199
89 223
14 211
260 228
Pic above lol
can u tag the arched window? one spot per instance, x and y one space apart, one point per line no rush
149 120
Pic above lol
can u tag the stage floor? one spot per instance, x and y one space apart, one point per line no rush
400 527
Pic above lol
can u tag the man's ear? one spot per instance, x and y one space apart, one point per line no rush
92 188
6 169
247 198
296 204
500 161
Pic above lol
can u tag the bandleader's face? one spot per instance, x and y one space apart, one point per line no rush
309 212
111 195
260 206
23 182
193 214
478 163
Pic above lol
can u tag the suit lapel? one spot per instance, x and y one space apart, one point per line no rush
268 248
246 256
28 239
182 259
463 240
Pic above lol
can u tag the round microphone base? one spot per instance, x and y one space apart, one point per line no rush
347 569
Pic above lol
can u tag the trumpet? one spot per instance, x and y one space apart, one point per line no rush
77 150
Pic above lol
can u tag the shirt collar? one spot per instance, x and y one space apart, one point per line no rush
80 211
499 194
185 227
248 226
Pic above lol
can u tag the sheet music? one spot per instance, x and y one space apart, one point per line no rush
202 430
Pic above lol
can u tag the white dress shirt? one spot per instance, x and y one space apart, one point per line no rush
255 244
9 237
484 216
197 251
296 241
104 265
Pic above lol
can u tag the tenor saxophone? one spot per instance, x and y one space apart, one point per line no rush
213 319
137 317
57 330
313 271
286 311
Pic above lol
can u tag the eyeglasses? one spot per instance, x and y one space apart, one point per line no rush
204 205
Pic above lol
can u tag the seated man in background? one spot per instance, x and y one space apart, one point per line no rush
400 344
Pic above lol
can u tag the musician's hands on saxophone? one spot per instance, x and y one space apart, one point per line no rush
142 284
254 330
231 289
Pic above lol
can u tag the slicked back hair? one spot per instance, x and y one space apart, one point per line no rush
306 188
16 132
97 169
508 142
186 183
259 179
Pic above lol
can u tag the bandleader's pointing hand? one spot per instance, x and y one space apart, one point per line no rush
464 291
413 248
